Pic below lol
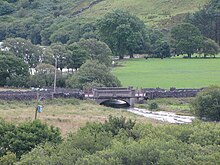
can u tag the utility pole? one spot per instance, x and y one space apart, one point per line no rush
55 76
37 101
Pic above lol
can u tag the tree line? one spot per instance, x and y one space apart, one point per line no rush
70 44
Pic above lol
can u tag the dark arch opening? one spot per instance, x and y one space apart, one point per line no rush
115 103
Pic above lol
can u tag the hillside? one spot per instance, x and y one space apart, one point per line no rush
150 11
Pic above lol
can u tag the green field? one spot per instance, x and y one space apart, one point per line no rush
166 73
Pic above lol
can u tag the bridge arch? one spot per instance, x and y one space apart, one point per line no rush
115 103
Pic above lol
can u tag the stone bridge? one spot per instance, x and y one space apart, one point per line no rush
107 93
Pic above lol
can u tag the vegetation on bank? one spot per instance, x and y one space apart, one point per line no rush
180 106
67 114
122 141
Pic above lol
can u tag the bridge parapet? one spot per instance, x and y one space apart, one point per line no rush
97 93
121 93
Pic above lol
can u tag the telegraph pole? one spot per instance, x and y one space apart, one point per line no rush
55 76
37 101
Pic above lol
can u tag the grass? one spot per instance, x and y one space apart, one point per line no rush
180 106
166 73
69 114
150 11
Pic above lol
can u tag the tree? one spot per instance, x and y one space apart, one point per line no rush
24 137
210 47
25 50
97 50
77 56
207 104
60 53
207 20
61 36
6 8
118 29
160 47
10 67
44 76
187 39
3 29
92 74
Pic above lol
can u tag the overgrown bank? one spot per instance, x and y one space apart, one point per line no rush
123 142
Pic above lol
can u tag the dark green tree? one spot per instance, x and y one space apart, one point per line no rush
6 8
207 104
77 56
11 67
24 137
97 50
3 29
160 47
119 29
92 74
210 47
186 38
207 19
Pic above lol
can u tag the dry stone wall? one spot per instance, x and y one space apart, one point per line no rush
153 93
30 95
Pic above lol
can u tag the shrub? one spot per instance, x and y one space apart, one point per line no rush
153 105
207 104
22 138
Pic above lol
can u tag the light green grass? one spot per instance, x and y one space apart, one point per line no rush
150 11
166 73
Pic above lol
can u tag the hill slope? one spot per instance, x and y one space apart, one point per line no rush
150 11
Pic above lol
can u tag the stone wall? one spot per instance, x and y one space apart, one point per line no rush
153 93
30 95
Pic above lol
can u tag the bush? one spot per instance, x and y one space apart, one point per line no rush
6 8
22 138
9 158
92 74
207 104
153 105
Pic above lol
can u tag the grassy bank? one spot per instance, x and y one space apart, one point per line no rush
180 106
166 73
67 114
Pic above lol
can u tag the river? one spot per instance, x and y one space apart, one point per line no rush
169 117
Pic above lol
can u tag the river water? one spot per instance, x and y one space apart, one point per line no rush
169 117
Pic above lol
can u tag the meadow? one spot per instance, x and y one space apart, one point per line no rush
67 114
170 72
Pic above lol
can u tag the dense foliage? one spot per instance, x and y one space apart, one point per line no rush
13 70
187 39
132 144
207 20
24 137
123 32
93 74
207 104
